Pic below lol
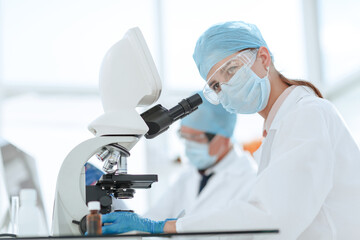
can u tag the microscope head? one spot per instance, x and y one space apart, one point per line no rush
128 79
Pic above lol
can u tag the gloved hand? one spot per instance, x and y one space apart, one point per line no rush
121 222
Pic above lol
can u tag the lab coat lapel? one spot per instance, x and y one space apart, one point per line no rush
287 106
266 150
222 178
216 185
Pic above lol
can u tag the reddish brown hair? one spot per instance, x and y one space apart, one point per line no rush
290 82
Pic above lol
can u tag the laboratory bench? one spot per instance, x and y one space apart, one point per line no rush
183 236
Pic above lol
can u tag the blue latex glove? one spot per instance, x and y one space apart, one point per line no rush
121 222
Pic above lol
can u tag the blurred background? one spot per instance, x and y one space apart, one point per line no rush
51 51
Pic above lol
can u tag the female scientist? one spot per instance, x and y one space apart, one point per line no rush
308 182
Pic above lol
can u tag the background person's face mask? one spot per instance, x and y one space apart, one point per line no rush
198 154
245 92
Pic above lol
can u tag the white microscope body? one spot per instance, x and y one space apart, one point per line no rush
128 79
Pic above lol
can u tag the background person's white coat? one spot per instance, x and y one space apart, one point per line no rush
233 177
310 188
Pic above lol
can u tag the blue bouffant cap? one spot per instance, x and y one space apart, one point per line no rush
222 40
211 118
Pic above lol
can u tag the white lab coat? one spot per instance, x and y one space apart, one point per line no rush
308 184
233 177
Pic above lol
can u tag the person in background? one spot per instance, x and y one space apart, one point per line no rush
308 183
218 170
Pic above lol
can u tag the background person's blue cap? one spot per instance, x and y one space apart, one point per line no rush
211 118
223 39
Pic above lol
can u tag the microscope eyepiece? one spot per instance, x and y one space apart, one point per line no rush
158 118
185 107
194 100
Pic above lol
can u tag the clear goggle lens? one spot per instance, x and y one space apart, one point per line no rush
225 72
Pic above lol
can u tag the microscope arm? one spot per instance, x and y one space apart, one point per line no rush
70 202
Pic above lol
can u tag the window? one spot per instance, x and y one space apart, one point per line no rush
340 37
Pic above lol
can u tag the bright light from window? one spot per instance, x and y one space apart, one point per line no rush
340 37
52 42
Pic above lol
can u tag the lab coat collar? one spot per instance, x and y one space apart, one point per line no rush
275 108
288 105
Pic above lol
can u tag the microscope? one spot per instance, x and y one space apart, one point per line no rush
128 79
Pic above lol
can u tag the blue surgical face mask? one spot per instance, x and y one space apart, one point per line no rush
198 154
245 92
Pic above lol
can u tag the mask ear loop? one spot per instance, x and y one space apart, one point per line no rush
267 71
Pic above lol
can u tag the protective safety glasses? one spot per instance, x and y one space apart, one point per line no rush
225 72
200 138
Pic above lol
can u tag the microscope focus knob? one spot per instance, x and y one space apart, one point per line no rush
105 202
81 224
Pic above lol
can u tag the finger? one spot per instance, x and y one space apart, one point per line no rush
109 229
109 218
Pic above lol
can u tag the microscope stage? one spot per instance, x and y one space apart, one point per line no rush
126 181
